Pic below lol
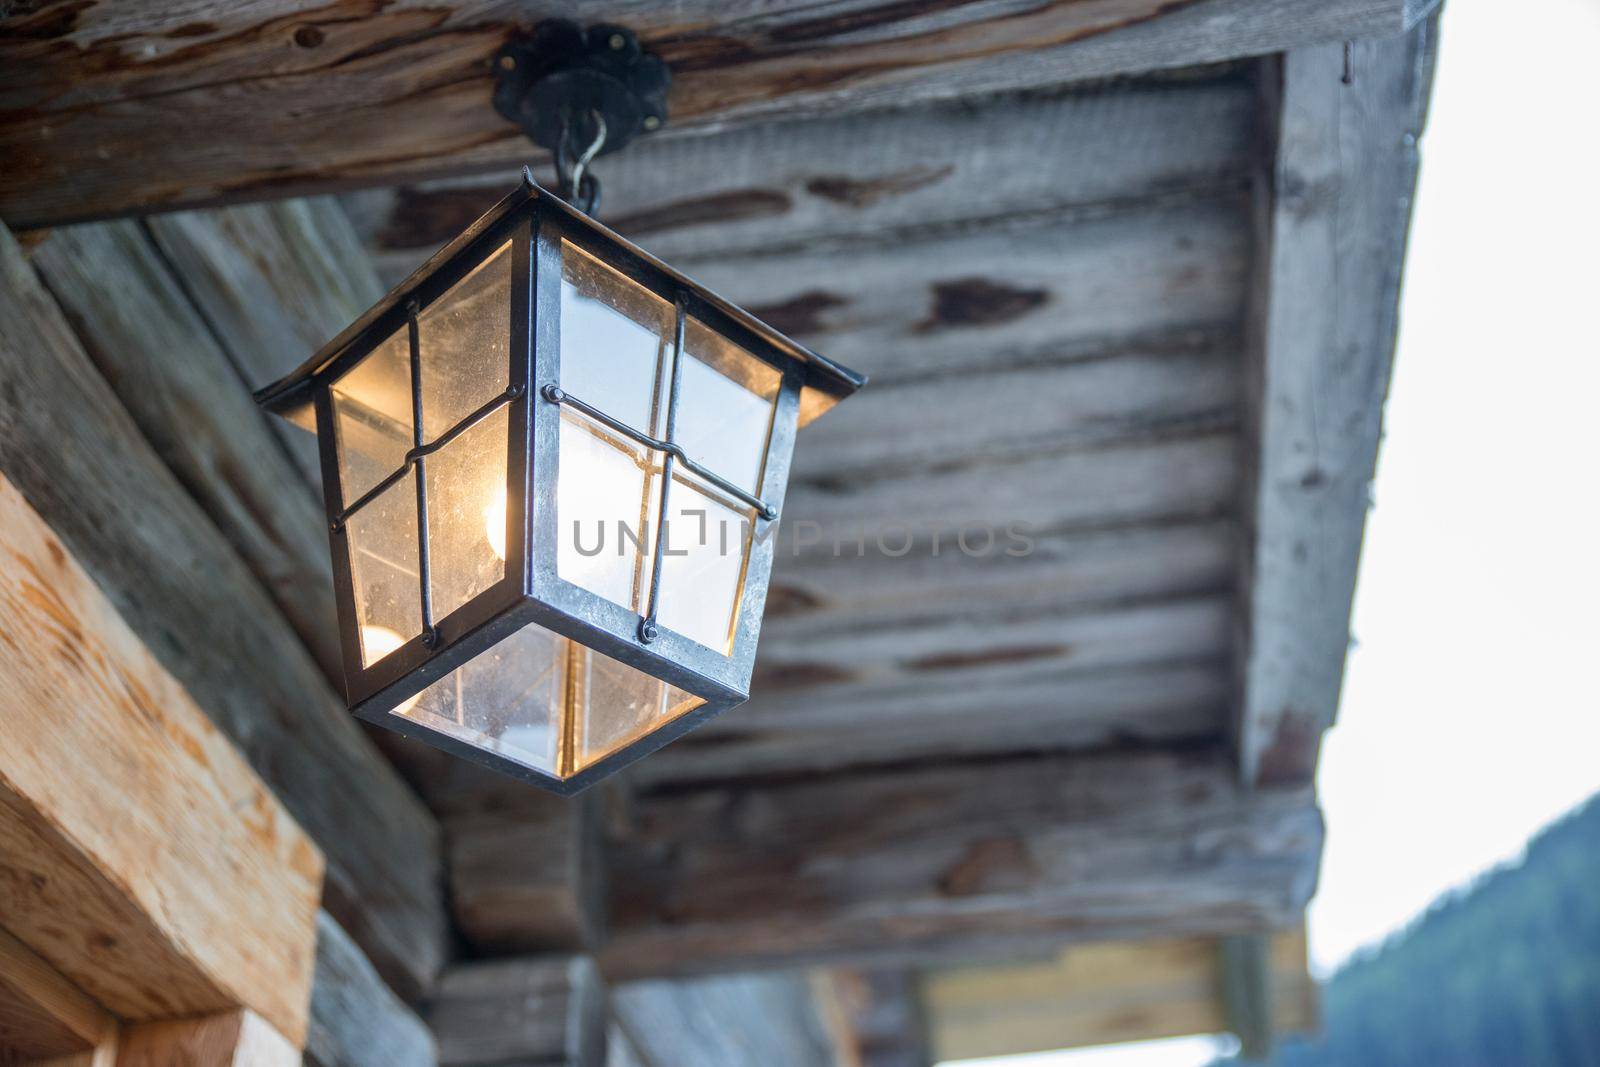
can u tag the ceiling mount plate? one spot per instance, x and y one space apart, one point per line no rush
559 78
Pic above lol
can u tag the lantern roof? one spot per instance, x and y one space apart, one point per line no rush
825 382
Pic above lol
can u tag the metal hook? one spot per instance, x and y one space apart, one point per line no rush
578 187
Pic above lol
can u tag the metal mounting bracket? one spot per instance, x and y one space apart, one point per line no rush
560 81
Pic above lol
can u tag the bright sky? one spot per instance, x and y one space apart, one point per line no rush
1471 716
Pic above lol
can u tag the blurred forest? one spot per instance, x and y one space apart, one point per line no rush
1504 972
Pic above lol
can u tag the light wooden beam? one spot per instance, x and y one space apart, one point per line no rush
971 860
1332 238
133 837
228 1039
69 445
153 104
1112 992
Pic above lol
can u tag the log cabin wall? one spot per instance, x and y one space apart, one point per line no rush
1068 268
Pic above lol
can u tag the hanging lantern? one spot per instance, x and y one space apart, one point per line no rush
553 467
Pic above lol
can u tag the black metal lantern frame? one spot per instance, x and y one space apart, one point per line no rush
537 226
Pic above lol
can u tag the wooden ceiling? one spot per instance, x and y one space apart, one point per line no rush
1048 291
1123 273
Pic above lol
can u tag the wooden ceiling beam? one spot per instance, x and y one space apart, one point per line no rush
133 835
960 861
111 109
1111 992
788 183
1332 242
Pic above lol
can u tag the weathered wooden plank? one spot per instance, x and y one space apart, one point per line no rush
774 1020
154 350
1135 392
881 1017
1334 244
228 1039
42 1015
356 1021
962 301
545 1011
814 593
153 834
958 713
1104 993
275 282
992 505
782 184
525 868
79 459
971 860
156 104
981 636
1247 993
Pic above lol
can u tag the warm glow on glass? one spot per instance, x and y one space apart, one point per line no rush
494 524
377 642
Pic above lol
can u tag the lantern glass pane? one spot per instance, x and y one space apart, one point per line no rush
726 400
464 338
467 519
614 337
382 540
372 416
615 705
547 702
703 565
507 700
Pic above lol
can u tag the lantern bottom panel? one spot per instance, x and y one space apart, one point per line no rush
547 703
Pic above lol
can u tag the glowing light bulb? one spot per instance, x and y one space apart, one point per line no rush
378 642
494 523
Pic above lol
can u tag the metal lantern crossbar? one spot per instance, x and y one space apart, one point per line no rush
538 379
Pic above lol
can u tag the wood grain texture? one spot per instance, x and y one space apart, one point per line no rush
780 184
121 108
525 868
229 1039
42 1014
1006 291
274 282
1340 206
545 1011
977 859
153 348
1106 993
356 1021
159 815
70 446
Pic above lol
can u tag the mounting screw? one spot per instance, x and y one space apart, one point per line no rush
647 631
652 122
617 42
552 392
508 62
